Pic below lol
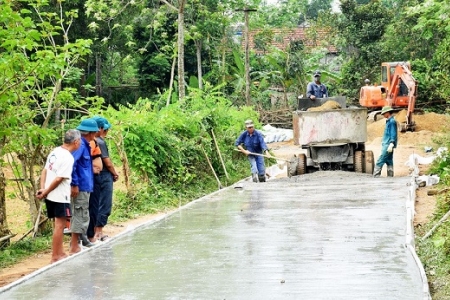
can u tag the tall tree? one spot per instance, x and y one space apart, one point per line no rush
109 24
37 60
205 26
180 45
360 30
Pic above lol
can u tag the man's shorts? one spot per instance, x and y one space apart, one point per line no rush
80 213
57 210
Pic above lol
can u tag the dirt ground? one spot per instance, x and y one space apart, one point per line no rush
429 127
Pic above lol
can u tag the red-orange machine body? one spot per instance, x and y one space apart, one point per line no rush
398 89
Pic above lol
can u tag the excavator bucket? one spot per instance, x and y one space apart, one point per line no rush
374 116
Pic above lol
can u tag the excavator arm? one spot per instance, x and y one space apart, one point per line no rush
403 84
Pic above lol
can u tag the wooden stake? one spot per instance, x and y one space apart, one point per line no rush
442 220
210 165
36 224
7 237
436 192
220 154
32 229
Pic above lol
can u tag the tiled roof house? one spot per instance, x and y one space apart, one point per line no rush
283 37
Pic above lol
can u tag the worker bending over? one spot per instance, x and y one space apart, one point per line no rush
253 141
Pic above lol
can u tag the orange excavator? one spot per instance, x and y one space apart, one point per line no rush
398 89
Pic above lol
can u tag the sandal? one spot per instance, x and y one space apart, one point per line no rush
104 238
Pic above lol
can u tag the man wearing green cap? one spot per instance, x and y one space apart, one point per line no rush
82 185
388 143
101 199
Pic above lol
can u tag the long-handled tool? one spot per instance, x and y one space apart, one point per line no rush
267 156
36 224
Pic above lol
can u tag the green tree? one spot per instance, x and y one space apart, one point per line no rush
111 67
360 30
434 30
419 34
34 69
288 13
204 27
317 7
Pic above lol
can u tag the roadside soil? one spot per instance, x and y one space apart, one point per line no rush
429 128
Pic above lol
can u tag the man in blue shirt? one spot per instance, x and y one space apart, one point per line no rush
253 141
316 89
82 185
388 143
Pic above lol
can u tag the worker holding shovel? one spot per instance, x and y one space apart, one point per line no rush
253 141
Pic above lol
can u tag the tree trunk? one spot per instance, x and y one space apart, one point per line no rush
247 61
224 69
181 90
29 185
198 45
119 143
4 231
98 75
172 75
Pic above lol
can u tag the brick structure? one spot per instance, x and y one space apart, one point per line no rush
283 37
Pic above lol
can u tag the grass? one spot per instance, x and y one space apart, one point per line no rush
434 252
18 251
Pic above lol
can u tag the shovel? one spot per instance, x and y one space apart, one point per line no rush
267 156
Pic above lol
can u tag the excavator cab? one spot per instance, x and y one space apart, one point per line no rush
391 80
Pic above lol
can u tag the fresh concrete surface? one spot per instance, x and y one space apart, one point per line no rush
327 235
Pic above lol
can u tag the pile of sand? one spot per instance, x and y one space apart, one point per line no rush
426 125
330 104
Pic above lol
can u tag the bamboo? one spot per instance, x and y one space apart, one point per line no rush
436 192
442 220
32 229
212 168
7 237
36 224
220 154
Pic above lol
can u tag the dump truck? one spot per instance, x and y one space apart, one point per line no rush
332 139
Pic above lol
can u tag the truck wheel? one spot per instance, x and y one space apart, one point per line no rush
292 166
368 162
358 161
301 167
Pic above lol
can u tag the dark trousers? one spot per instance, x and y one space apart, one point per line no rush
100 202
385 157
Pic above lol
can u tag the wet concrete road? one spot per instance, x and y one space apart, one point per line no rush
321 236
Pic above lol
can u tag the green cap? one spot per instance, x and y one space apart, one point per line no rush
88 125
386 109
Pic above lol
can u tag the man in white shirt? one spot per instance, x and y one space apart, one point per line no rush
55 188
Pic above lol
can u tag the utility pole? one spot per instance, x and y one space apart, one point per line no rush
247 55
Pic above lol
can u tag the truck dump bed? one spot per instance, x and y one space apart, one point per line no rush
335 126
